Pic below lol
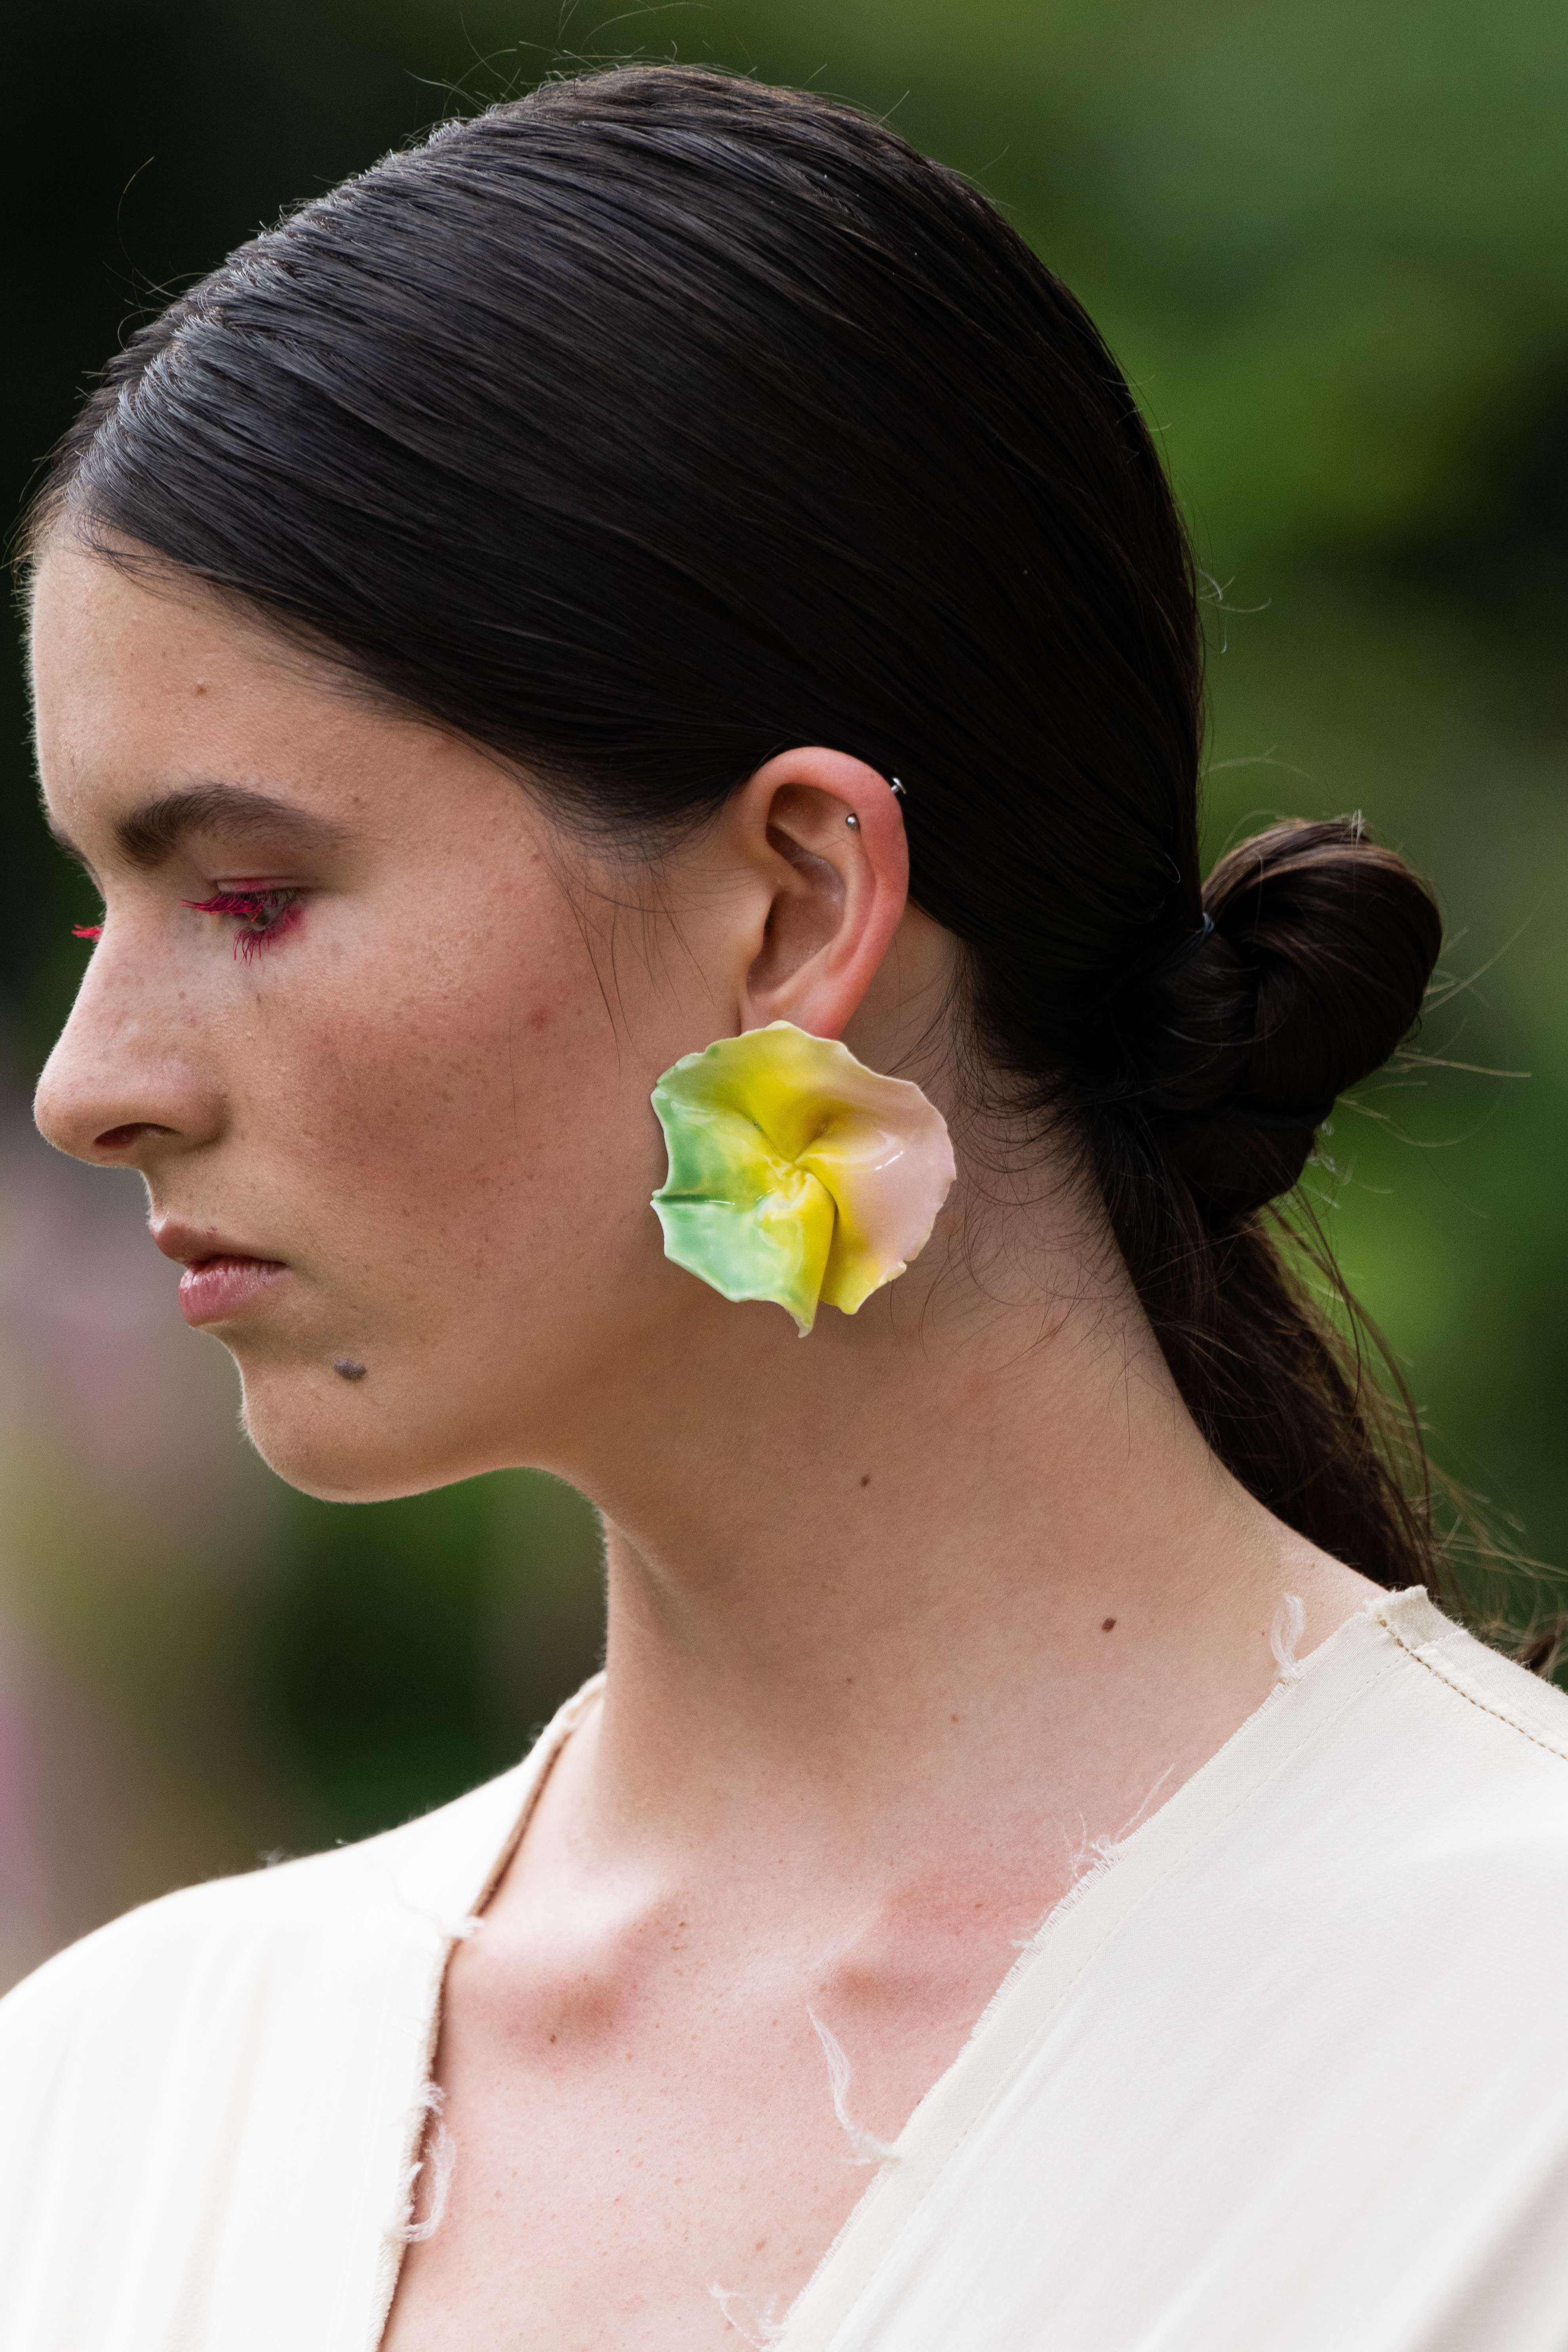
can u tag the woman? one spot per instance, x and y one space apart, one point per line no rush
660 561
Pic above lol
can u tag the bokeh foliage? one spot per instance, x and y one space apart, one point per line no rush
1330 245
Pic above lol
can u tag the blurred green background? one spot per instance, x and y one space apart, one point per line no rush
1329 244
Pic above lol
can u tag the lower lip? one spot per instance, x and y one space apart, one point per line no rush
220 1287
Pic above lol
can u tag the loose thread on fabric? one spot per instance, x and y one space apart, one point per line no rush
867 2148
459 1930
1087 1861
1136 1815
442 2161
1285 1635
729 2299
1092 1858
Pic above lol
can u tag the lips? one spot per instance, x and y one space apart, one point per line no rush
221 1278
220 1288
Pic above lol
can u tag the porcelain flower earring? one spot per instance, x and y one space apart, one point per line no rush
795 1173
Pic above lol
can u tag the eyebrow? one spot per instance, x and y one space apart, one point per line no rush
145 836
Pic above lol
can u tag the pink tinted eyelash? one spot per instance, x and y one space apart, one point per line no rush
264 913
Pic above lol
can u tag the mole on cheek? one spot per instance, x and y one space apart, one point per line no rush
346 1368
1106 1628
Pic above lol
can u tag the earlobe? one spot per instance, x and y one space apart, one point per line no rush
838 870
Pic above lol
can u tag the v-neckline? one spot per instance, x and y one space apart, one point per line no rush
1057 1956
1031 1995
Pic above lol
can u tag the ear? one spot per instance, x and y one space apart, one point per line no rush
823 835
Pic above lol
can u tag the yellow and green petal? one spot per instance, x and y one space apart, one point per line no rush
795 1173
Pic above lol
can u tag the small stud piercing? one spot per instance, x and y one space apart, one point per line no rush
897 787
853 821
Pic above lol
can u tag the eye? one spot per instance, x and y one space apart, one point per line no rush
262 915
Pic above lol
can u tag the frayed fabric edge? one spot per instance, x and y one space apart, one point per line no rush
762 2329
1088 1861
867 2147
442 2160
1285 1635
729 2299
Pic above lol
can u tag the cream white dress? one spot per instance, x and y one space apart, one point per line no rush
1288 2071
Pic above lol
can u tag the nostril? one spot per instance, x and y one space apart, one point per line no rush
119 1139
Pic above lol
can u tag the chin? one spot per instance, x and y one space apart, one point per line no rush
338 1440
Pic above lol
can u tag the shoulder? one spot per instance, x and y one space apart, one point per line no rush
415 1886
1487 1739
1406 1786
258 1940
1528 1714
1443 1782
235 2067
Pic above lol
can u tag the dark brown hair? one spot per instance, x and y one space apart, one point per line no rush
656 422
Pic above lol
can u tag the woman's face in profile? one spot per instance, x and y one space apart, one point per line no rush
350 1015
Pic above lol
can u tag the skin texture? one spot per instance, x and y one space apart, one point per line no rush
900 1615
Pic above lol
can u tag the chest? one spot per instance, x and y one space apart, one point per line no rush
657 2158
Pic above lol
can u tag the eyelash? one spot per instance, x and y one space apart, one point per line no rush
265 914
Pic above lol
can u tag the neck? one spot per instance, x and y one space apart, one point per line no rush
934 1563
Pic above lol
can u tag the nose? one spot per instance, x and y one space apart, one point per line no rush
124 1085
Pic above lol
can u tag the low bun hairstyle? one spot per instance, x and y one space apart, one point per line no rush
1309 972
649 424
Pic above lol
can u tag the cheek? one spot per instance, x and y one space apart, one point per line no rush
482 1134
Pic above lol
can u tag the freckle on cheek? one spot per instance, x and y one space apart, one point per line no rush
541 1018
